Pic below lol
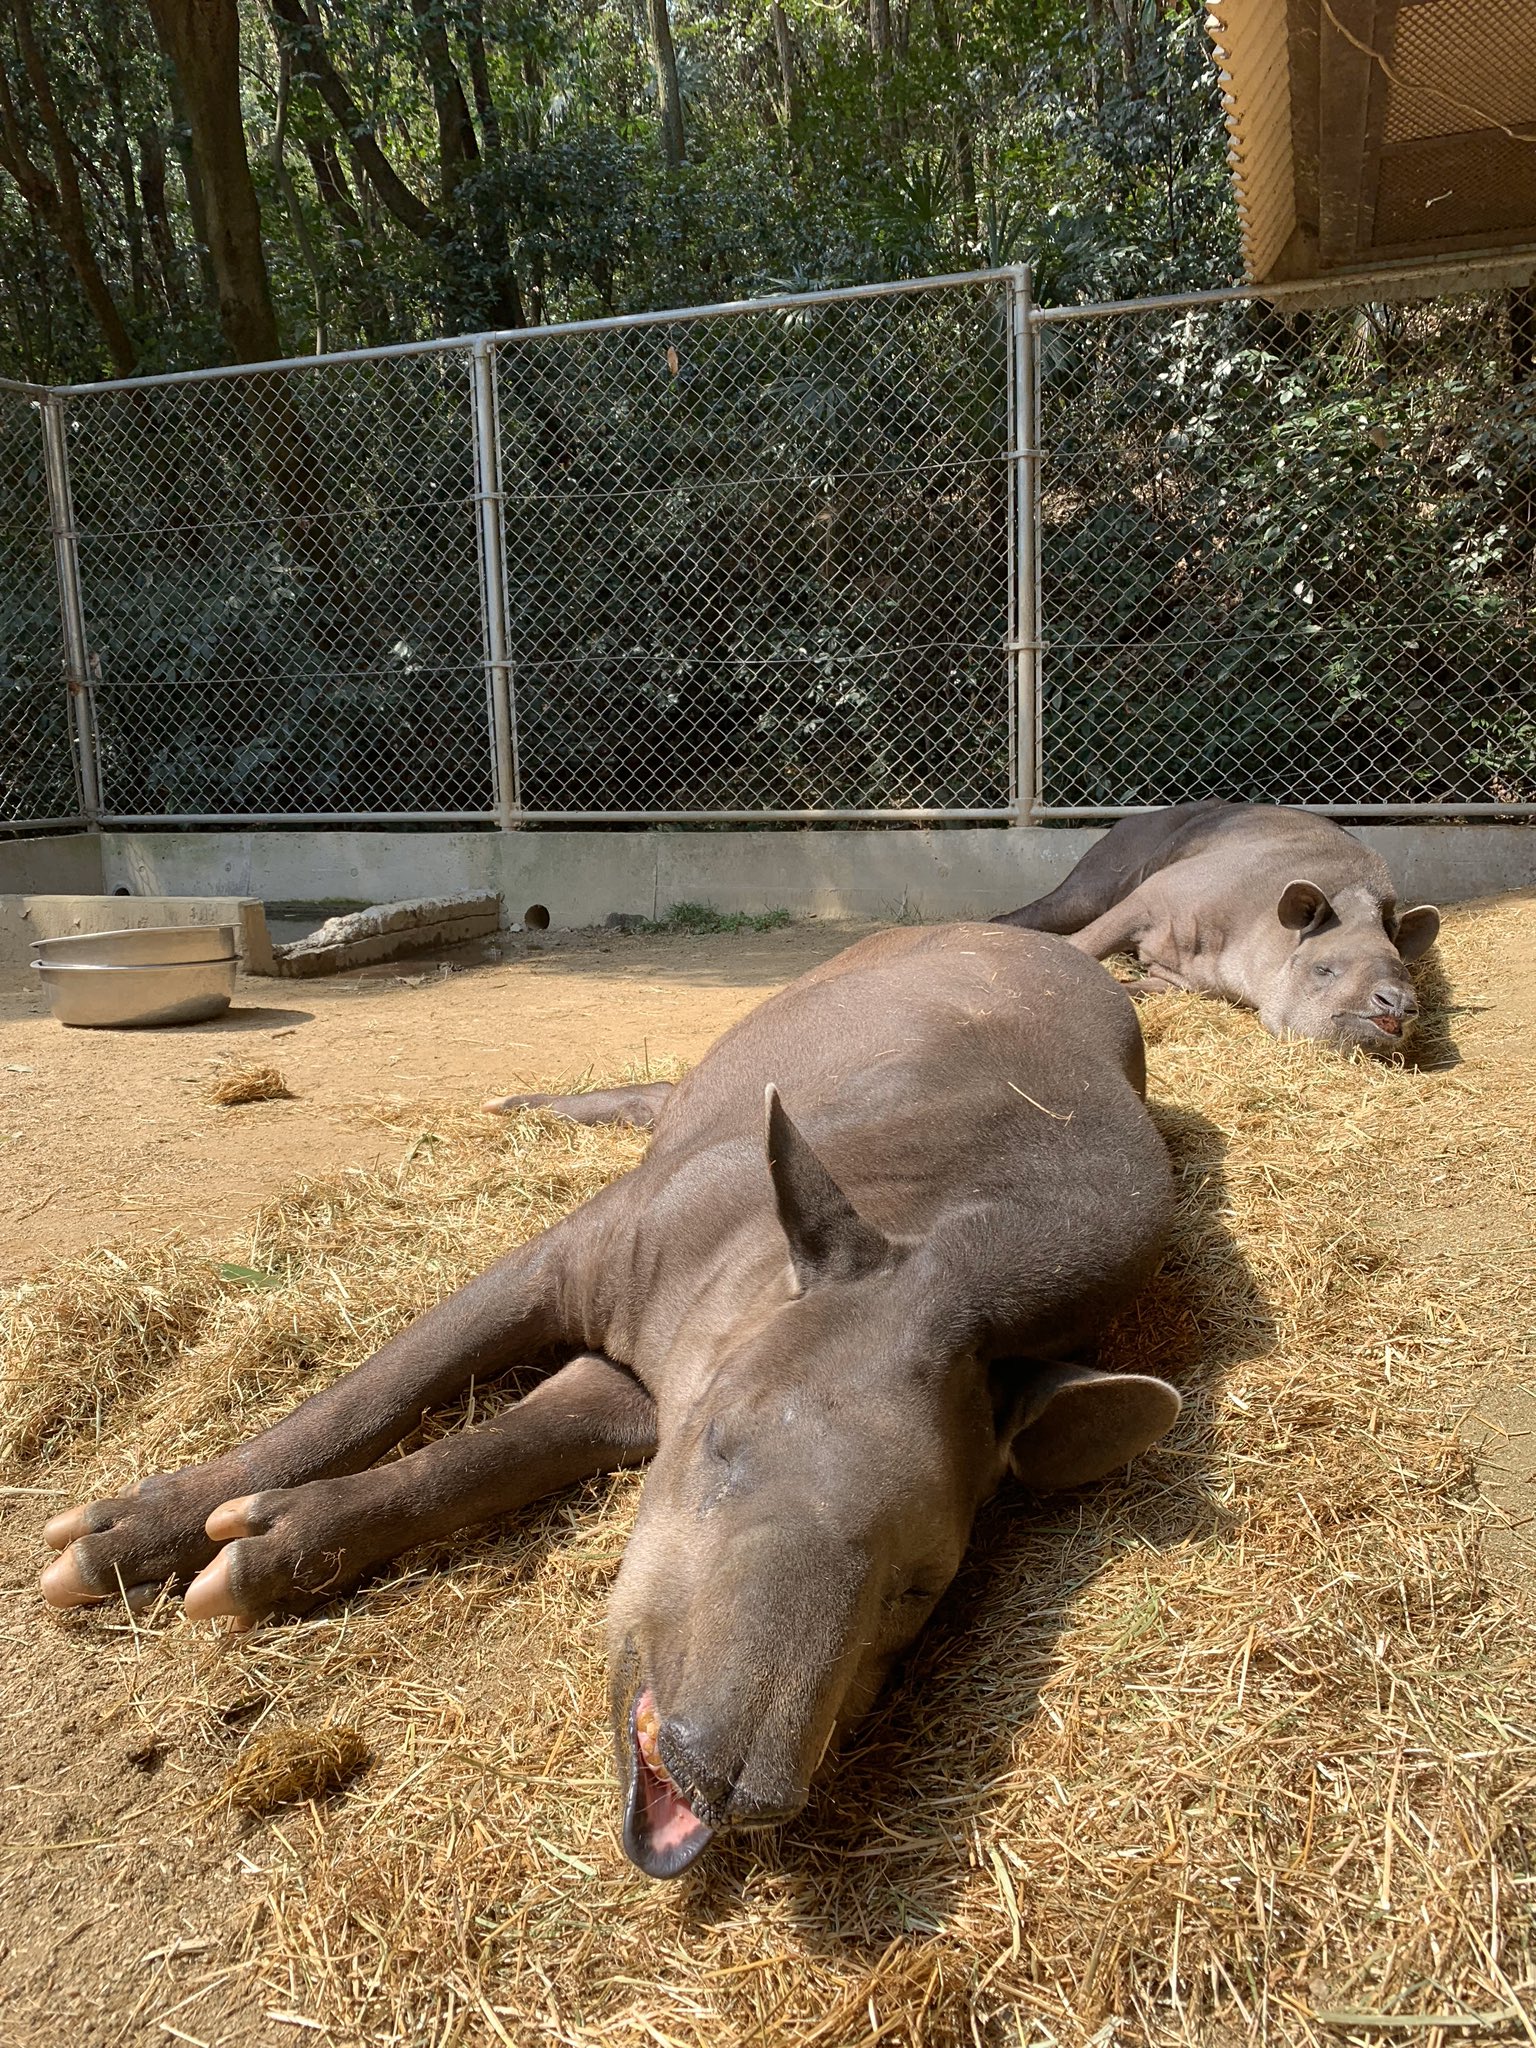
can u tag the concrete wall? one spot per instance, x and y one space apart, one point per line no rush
581 877
66 861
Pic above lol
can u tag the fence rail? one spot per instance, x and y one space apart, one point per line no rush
908 552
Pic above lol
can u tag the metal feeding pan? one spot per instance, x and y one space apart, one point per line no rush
167 974
157 946
184 992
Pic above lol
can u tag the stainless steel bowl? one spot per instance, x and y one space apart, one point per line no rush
181 992
156 946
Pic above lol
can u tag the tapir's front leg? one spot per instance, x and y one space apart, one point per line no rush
638 1104
290 1548
524 1305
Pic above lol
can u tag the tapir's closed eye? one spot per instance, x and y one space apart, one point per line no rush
1323 971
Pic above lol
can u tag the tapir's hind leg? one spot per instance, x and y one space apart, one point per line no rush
1116 865
130 1546
287 1549
638 1106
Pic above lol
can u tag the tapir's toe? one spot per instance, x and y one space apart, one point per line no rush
62 1530
127 1548
65 1584
234 1518
212 1592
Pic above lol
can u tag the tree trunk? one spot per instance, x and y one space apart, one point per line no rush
880 50
480 76
959 121
668 93
458 150
57 200
157 219
784 43
201 39
312 61
291 200
110 63
192 185
331 183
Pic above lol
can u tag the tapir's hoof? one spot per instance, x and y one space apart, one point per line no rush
62 1585
212 1594
59 1533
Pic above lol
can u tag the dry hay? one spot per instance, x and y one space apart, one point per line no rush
253 1083
1234 1747
279 1766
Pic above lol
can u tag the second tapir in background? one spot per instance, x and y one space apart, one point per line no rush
1275 909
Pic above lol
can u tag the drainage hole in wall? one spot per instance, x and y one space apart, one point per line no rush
536 918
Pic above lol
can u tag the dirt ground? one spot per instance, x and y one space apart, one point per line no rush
106 1133
119 1925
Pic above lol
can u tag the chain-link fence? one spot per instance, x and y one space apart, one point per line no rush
761 564
912 551
1288 557
37 762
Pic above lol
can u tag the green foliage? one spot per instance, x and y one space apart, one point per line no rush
984 133
703 922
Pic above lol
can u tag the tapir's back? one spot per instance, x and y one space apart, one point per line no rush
942 1068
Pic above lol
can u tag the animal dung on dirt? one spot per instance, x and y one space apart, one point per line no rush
845 1293
279 1766
1275 909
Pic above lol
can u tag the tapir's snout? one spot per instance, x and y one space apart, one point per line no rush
688 1777
1394 1006
1384 1019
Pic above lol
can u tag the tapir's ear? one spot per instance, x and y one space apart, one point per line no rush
1417 931
828 1238
1073 1423
1303 907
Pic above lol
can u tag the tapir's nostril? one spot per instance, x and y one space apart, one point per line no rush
686 1752
1397 1002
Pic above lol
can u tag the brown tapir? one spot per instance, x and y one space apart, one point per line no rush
834 1349
1278 910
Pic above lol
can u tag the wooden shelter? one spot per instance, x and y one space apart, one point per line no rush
1372 133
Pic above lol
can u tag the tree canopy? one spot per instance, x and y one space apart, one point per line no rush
189 181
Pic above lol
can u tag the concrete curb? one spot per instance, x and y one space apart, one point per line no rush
361 937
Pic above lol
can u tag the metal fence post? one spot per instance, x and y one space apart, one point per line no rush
66 559
498 664
1024 534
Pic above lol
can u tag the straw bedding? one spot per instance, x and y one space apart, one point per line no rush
1234 1747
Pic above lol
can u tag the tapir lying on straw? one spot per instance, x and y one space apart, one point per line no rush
1277 910
834 1351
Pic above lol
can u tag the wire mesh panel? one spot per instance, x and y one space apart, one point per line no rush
282 592
760 562
37 769
1288 558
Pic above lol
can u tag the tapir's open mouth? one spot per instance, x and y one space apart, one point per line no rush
662 1833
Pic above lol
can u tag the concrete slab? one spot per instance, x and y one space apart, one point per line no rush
24 918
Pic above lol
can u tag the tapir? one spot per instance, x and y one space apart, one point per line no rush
855 1281
1277 910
